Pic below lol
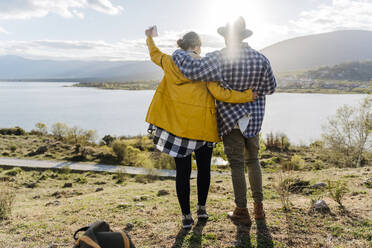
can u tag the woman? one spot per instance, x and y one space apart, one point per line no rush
182 115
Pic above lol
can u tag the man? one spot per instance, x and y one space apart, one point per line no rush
237 67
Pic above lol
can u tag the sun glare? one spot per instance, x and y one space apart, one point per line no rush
219 12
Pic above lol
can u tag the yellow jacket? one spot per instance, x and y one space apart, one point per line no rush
186 108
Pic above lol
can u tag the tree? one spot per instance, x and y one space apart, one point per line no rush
349 132
59 129
41 128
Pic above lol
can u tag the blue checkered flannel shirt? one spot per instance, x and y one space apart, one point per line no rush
249 69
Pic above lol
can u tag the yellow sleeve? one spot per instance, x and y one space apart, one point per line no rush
155 54
230 96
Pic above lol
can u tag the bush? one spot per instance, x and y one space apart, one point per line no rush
296 163
163 161
108 139
41 128
337 191
59 130
348 135
12 131
13 148
120 149
7 196
76 135
14 171
278 142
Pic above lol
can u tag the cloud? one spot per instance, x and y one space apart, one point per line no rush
340 14
124 49
26 9
3 30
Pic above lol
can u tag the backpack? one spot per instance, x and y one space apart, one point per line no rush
99 235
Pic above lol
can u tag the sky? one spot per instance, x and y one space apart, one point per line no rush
114 29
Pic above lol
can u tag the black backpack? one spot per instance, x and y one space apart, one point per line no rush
99 235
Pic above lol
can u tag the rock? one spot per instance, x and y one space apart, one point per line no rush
297 186
67 185
40 150
53 203
123 205
321 207
57 194
52 246
141 205
163 192
99 183
99 189
36 197
319 185
141 198
128 227
368 182
219 181
30 185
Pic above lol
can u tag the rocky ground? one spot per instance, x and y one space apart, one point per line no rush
49 206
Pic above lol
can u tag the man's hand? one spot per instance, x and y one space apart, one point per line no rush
255 96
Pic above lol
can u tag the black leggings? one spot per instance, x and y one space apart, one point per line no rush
183 166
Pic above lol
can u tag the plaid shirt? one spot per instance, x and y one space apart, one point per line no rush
173 145
249 69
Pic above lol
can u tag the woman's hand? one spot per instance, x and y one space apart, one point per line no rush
255 96
148 32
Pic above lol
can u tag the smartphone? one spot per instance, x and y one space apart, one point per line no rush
154 31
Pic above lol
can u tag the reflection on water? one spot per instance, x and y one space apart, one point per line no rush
121 112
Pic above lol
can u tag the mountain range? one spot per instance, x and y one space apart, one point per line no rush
297 54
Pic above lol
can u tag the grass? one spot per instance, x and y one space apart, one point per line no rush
49 214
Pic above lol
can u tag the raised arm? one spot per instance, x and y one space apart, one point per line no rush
155 54
205 69
230 96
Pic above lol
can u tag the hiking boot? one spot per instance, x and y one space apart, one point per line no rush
240 216
187 221
202 212
258 211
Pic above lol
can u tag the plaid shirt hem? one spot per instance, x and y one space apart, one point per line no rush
173 145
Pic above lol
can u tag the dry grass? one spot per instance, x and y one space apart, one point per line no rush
49 214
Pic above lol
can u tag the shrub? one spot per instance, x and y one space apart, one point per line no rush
120 149
64 170
7 196
59 130
296 163
282 186
337 191
14 171
348 134
108 139
13 148
12 131
277 142
163 161
77 135
218 151
41 128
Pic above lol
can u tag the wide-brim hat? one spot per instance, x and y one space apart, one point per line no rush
237 29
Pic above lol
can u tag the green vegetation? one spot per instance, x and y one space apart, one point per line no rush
60 203
353 71
135 85
7 195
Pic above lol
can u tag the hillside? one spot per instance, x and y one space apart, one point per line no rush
313 51
15 67
354 71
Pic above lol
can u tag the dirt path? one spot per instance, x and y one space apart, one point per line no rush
77 166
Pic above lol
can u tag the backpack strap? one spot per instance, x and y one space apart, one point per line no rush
125 239
88 241
80 230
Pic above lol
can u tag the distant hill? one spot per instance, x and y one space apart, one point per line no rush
354 71
298 54
15 67
313 51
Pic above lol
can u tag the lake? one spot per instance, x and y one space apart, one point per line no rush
121 112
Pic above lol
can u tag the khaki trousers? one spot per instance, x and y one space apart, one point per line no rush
241 151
